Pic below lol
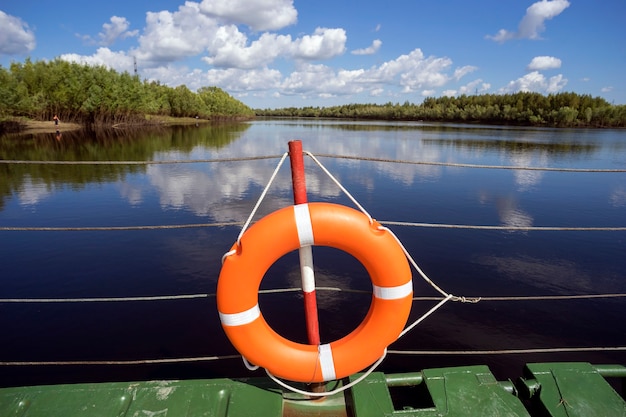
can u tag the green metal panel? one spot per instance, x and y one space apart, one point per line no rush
471 391
572 390
551 389
370 397
460 391
197 398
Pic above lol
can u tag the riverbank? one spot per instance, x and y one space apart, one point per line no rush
28 126
38 126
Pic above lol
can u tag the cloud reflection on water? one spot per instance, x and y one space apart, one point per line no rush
618 197
205 188
527 180
32 192
560 276
511 215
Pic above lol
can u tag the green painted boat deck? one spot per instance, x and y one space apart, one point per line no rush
545 389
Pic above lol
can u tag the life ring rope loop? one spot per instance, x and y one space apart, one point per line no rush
322 224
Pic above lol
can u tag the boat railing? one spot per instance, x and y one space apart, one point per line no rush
440 299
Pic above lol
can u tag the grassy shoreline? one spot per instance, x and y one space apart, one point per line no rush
29 126
37 126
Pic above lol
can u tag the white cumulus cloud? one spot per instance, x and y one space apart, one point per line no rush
369 50
268 63
411 72
211 28
476 86
533 22
103 57
540 63
320 80
535 82
230 48
323 44
259 15
117 29
15 35
233 79
171 36
461 72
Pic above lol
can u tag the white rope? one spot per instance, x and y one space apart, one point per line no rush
127 362
461 165
298 289
284 385
393 352
424 316
447 297
115 228
383 222
256 206
333 392
341 187
168 162
105 299
355 158
258 203
249 365
511 351
508 228
407 254
415 323
414 264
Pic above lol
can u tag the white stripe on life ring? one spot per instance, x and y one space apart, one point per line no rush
303 224
240 319
326 362
306 269
393 293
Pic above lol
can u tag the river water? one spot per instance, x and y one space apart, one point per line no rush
416 173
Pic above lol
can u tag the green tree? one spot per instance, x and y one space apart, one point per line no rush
99 95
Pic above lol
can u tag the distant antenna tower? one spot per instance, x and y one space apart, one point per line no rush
135 64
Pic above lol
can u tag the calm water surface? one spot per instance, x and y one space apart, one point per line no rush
472 263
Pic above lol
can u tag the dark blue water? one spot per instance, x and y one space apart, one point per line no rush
472 263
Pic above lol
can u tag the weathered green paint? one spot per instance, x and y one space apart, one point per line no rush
549 389
566 389
460 391
197 398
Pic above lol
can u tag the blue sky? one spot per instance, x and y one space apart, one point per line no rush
280 53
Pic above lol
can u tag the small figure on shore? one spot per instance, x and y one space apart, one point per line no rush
56 120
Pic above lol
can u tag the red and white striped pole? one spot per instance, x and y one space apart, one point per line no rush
306 252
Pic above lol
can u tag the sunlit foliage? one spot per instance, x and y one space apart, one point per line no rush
99 95
524 109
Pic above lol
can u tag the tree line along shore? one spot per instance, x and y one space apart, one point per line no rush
83 95
99 96
520 109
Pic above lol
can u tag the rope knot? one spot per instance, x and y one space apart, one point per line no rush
463 299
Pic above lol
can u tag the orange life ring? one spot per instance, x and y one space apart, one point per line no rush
283 231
